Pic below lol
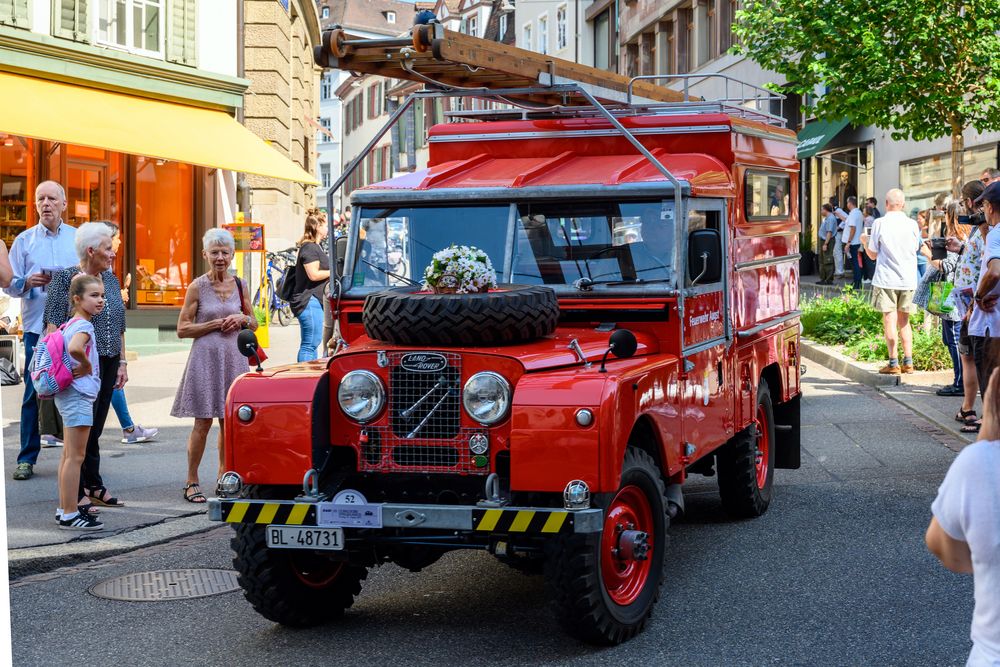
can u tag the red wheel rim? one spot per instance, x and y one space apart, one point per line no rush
762 448
314 572
625 579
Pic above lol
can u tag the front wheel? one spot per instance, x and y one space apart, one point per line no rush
284 312
746 463
603 587
293 587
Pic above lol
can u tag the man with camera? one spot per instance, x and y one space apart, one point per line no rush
852 241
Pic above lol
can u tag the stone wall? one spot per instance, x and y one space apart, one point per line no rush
283 94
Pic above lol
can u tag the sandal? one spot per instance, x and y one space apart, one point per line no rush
966 416
971 427
197 497
86 506
101 496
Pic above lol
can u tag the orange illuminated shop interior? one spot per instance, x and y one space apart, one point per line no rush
152 201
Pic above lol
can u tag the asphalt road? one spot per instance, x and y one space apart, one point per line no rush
835 573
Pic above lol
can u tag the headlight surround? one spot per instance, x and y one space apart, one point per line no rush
486 397
361 396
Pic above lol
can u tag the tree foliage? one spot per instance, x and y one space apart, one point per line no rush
922 69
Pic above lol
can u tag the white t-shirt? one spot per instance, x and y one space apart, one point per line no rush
853 221
88 385
981 321
968 508
896 239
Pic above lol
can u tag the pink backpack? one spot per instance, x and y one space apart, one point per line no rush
50 366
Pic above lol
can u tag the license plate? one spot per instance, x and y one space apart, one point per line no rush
305 537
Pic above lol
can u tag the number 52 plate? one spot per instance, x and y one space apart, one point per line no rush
305 537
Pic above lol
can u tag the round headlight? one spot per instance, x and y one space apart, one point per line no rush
486 398
361 395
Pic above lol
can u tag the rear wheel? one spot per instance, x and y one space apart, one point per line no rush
746 463
603 587
284 312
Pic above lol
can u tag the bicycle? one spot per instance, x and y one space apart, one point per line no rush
276 262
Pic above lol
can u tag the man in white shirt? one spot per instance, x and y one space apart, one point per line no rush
852 240
894 243
838 245
36 253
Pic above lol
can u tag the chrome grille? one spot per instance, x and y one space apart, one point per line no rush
425 405
424 432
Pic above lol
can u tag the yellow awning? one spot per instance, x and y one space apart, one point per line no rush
63 112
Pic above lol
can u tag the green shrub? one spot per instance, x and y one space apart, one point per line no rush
849 320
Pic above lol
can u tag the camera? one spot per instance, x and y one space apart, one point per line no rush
976 219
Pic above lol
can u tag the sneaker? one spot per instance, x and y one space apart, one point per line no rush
24 471
906 368
950 390
80 522
891 370
51 441
89 510
138 434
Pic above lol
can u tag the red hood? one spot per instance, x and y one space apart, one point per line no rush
549 352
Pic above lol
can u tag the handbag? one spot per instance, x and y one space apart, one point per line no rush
260 356
937 301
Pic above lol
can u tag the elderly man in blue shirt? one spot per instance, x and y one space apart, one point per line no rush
35 255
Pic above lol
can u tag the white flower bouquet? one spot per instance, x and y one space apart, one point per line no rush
460 269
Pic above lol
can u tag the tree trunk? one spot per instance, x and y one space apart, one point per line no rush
957 159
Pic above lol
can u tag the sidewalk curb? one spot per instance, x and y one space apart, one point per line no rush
33 560
951 428
852 370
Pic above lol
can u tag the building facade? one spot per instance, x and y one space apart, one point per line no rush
694 38
132 106
281 106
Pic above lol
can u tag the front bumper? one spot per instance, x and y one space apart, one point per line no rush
471 518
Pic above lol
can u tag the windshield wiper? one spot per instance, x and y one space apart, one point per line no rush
586 284
389 273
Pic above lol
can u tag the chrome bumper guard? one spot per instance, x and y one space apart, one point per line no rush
506 520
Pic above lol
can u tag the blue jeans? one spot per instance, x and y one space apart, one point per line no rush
311 324
950 332
30 442
120 405
921 266
857 271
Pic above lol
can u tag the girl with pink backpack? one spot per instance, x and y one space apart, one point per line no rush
76 402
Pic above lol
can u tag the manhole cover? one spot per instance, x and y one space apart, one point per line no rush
166 585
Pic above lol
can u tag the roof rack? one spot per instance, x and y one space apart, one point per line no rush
533 84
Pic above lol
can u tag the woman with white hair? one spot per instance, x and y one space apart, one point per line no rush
94 248
216 308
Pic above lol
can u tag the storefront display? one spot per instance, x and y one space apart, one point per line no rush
923 180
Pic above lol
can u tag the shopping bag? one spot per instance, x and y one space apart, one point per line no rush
938 302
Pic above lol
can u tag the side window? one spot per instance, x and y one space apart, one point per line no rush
767 195
704 260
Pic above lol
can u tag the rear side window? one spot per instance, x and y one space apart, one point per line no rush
767 195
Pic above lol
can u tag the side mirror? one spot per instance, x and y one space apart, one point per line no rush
622 344
341 251
246 343
704 256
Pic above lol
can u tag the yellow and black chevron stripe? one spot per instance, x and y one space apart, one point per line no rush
288 514
522 521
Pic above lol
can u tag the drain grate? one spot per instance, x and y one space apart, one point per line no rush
166 585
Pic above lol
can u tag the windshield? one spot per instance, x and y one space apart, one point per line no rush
552 243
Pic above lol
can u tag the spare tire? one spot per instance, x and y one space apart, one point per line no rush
510 314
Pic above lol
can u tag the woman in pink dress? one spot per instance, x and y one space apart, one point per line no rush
213 314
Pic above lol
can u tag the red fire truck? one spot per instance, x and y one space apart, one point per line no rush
645 328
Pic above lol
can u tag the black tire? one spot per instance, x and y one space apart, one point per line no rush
290 586
745 491
284 313
517 314
574 568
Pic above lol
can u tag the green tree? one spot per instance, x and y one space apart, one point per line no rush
922 69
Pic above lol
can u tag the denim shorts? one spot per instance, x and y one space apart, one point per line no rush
75 408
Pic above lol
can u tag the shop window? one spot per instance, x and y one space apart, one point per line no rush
164 220
136 25
766 195
17 185
926 179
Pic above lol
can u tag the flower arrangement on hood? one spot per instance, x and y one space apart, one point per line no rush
460 269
